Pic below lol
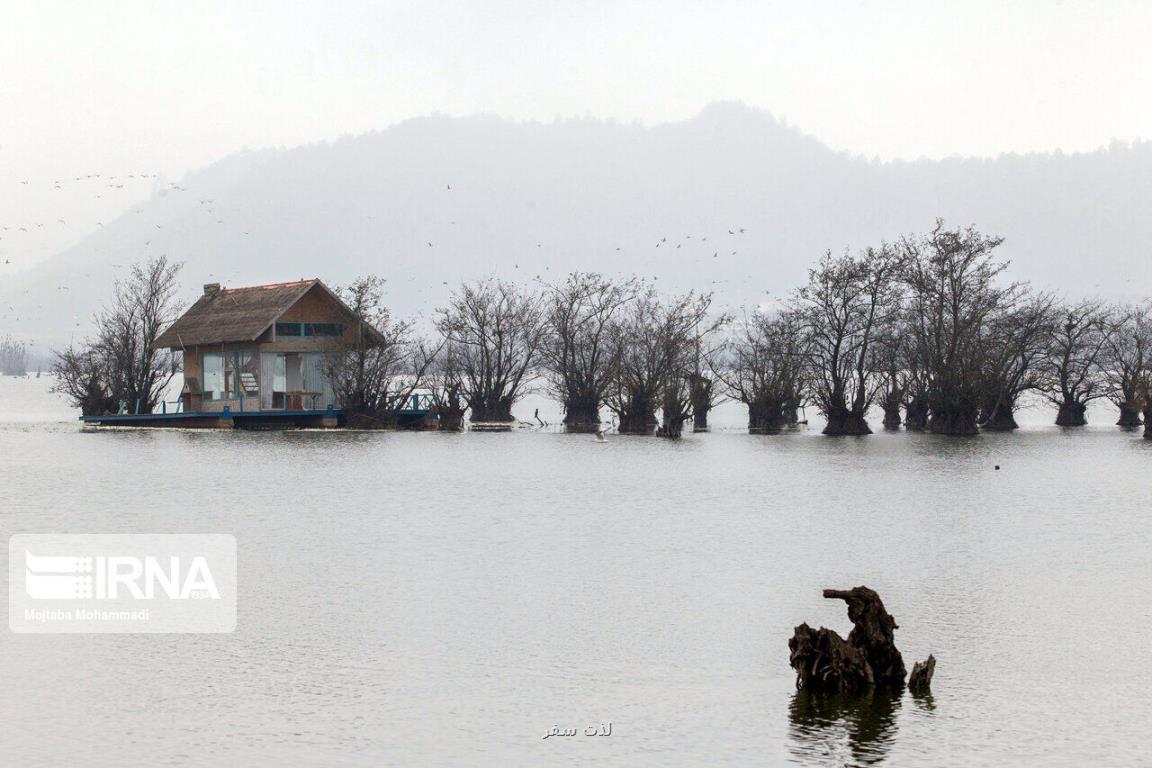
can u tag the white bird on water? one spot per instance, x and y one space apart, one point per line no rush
600 436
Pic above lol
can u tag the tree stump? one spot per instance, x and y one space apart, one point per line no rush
825 661
873 632
869 657
921 678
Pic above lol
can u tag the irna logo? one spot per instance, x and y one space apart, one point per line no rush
122 582
104 577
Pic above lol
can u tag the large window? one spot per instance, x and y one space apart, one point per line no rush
309 329
231 375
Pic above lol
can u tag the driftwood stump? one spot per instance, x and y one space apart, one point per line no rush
869 657
873 633
824 660
920 681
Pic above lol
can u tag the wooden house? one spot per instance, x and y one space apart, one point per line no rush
262 349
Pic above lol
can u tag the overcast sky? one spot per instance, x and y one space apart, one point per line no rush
165 86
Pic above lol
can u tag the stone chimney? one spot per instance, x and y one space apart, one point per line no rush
211 289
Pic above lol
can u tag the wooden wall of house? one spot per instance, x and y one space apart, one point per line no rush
313 307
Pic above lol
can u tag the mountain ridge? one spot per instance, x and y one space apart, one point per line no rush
435 200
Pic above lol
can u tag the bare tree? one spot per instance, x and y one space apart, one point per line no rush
497 331
81 374
764 369
890 363
579 355
1016 345
952 276
1128 358
1073 372
652 341
124 358
845 303
384 363
688 334
703 395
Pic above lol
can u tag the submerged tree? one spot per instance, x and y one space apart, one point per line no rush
952 278
497 330
122 365
81 374
579 353
1016 343
846 302
764 369
384 363
1127 359
1073 375
891 364
688 332
653 343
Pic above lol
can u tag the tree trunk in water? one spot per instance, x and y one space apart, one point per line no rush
823 660
844 422
791 411
490 409
1000 420
1129 415
451 420
916 414
1148 419
672 425
891 406
701 403
1071 414
639 417
581 414
766 418
957 422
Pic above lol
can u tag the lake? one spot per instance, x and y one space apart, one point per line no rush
443 599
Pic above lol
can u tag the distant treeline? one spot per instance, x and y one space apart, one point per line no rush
926 330
13 357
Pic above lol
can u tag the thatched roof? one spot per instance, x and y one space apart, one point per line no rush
238 314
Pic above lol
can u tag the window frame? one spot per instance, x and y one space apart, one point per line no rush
231 367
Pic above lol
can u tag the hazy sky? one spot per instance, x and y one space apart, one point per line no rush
161 86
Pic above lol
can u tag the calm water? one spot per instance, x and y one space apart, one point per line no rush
428 600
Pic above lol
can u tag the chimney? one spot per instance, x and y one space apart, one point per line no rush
211 289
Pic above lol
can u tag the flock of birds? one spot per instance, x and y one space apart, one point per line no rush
198 212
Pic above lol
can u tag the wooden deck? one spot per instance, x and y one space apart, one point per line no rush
277 419
222 419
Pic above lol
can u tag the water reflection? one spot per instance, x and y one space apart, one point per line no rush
842 729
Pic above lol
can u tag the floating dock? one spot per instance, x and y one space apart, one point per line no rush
420 416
